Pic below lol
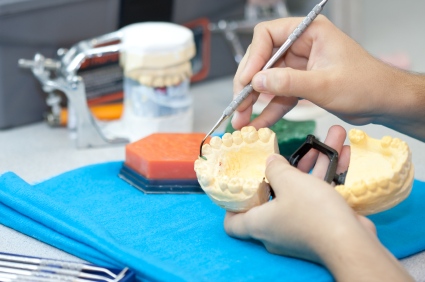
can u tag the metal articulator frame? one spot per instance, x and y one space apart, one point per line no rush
62 75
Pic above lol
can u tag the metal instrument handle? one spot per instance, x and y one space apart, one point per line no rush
288 43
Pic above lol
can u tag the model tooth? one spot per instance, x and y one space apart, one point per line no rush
198 164
175 80
234 185
158 82
403 169
206 149
216 142
264 134
359 188
247 129
249 134
237 137
372 186
145 80
356 136
205 180
386 141
250 186
407 165
383 182
396 178
227 140
223 183
395 143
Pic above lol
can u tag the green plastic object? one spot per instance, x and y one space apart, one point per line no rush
290 134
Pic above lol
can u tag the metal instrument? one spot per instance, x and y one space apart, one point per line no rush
62 75
248 89
19 268
254 14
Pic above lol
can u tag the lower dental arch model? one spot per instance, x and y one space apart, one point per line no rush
380 173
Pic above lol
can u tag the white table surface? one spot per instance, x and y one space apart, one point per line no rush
37 152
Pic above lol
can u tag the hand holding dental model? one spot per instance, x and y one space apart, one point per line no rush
308 218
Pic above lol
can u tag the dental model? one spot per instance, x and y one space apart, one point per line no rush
232 169
380 174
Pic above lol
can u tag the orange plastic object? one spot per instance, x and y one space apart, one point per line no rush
165 155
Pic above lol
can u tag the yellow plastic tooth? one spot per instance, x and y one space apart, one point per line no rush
206 149
237 137
396 178
206 179
395 143
249 134
198 165
386 141
158 82
359 188
264 134
250 186
247 129
145 80
383 182
408 165
372 185
175 80
223 183
227 140
356 136
234 185
216 142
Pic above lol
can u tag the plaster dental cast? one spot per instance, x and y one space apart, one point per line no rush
308 218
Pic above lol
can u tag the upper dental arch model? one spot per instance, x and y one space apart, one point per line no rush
233 173
380 173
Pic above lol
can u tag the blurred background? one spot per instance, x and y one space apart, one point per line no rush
384 28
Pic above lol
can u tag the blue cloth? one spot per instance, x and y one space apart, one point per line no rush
93 214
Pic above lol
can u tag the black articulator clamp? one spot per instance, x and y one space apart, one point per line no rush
311 142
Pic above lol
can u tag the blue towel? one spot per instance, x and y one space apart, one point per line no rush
93 214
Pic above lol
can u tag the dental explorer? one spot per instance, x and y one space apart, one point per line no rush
248 89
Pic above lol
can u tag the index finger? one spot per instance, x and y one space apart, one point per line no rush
271 35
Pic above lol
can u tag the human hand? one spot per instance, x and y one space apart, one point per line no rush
308 219
324 66
308 209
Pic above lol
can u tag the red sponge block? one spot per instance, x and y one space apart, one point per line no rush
164 155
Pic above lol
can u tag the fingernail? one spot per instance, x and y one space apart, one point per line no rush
235 117
259 82
272 158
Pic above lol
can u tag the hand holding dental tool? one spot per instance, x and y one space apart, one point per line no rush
248 89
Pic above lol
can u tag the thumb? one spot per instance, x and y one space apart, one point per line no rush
280 173
290 83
